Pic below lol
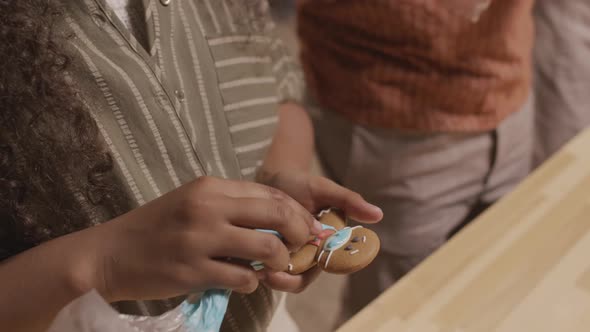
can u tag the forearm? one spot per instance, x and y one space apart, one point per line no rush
37 283
293 142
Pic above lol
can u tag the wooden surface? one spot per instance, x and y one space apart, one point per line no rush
522 266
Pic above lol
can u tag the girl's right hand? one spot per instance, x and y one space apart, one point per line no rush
178 243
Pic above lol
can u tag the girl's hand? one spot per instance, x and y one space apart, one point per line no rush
180 242
314 193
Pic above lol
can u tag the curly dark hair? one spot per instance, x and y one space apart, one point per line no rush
56 176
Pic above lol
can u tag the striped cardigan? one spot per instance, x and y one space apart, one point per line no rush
197 96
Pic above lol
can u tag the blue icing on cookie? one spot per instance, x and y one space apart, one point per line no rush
324 227
338 239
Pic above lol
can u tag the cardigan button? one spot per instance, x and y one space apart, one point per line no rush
179 94
165 2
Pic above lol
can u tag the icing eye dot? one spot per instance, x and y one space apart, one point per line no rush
348 248
355 239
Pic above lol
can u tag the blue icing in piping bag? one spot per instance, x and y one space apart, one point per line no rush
206 314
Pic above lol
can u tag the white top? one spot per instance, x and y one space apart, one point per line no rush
120 8
129 12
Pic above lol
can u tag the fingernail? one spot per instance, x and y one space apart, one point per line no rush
375 208
317 226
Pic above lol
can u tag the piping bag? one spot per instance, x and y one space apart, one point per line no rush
207 313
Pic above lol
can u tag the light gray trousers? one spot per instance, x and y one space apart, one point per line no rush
428 186
562 73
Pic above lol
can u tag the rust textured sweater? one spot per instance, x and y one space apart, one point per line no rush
414 65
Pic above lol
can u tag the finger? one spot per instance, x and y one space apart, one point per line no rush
230 276
257 213
327 193
252 245
243 189
283 281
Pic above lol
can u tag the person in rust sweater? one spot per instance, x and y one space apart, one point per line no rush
424 111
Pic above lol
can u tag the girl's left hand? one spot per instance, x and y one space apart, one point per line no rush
314 193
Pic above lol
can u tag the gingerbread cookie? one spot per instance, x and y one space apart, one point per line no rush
337 249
